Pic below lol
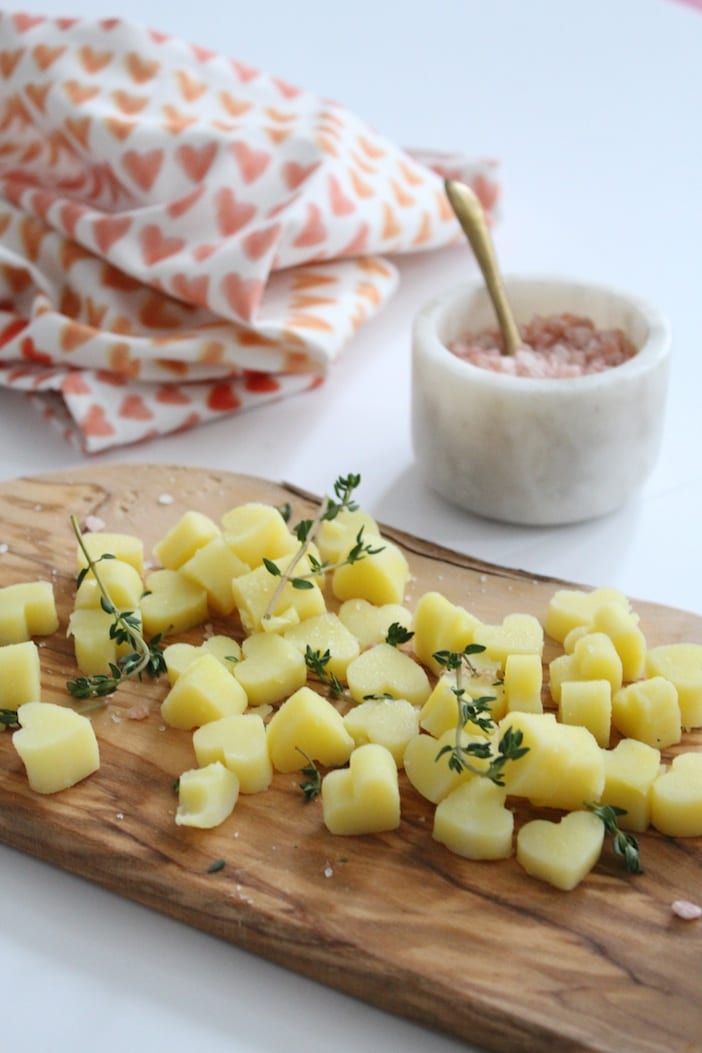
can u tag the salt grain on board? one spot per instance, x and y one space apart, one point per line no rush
683 908
93 523
557 346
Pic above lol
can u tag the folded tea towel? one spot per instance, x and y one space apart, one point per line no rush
183 236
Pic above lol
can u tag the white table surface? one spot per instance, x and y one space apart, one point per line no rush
593 110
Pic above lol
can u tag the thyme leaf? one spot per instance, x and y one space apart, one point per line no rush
624 845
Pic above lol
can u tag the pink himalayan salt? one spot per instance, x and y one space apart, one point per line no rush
562 345
683 908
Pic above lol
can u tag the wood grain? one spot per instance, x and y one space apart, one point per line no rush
478 950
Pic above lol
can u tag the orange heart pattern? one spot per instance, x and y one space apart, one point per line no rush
230 227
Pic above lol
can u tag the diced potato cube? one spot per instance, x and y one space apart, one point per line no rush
239 742
594 657
384 670
324 633
336 537
569 608
676 798
20 674
192 532
178 656
57 746
307 724
522 683
270 670
440 711
427 768
206 796
622 627
172 603
27 609
630 770
254 531
370 624
588 703
365 797
563 767
379 578
562 853
205 691
94 649
681 663
472 821
213 567
518 634
440 625
648 711
253 592
390 722
122 582
125 547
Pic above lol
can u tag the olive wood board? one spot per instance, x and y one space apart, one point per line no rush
478 950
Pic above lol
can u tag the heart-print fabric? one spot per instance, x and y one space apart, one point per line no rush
183 236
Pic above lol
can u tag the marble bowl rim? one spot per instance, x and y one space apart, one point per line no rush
655 348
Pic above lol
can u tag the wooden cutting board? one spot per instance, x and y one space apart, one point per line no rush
478 950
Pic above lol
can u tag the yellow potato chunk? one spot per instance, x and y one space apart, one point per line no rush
561 853
307 724
178 656
428 772
213 567
391 722
122 582
206 796
325 632
271 669
518 634
594 657
57 746
676 798
336 537
472 821
569 608
20 674
94 650
205 691
630 771
27 609
126 547
681 663
563 767
253 592
238 742
384 670
440 711
172 603
648 711
522 683
379 578
254 531
588 703
440 625
365 797
370 624
622 627
192 532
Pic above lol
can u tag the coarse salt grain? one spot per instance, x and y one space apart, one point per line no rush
165 499
139 711
683 908
328 871
3 548
93 523
556 346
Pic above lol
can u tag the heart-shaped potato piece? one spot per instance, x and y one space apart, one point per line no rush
363 798
561 853
56 744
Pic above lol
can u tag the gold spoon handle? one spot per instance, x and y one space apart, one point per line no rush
470 215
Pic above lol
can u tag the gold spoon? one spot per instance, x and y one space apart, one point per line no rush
470 215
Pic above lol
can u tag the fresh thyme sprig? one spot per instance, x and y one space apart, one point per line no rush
624 845
8 719
476 712
146 656
306 532
397 634
312 786
317 662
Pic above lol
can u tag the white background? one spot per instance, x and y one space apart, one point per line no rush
593 110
